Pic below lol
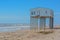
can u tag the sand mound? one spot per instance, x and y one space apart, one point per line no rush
30 35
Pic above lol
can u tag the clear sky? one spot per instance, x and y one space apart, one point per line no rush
17 11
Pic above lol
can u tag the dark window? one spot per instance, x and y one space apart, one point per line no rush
31 13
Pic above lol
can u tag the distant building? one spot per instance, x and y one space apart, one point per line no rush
41 14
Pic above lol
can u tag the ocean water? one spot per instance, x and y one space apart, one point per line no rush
13 28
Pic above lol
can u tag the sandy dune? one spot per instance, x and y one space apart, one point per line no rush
29 35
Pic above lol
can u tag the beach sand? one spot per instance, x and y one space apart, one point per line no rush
29 35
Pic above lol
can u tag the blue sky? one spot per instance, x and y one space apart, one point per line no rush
17 11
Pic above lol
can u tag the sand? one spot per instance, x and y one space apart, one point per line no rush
29 35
